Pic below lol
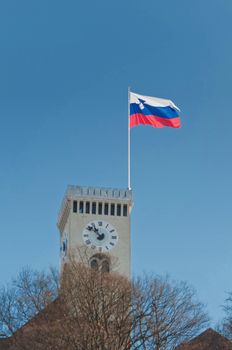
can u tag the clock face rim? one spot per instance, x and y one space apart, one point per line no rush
95 236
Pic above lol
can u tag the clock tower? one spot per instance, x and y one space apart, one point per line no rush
99 220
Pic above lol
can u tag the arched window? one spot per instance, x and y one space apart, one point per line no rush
94 264
100 262
105 266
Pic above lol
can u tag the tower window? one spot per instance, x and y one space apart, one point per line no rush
118 209
81 207
74 206
106 209
112 209
94 208
94 264
124 210
105 266
87 207
100 262
100 208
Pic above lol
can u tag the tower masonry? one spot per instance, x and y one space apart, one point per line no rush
98 219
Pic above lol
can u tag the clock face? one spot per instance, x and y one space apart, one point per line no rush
64 246
100 235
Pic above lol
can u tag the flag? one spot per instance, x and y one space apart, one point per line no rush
153 111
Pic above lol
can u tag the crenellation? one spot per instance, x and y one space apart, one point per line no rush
98 192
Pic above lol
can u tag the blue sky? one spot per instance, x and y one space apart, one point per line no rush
65 67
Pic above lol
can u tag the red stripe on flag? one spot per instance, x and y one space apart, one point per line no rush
156 122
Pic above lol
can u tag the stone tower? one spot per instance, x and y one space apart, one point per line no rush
98 219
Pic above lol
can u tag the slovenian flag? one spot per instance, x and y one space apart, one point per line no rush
153 111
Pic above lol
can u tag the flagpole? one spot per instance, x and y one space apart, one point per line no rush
129 181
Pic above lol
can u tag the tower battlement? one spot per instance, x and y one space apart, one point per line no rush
98 192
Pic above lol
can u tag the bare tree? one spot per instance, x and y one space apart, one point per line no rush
26 296
170 313
92 312
225 327
97 310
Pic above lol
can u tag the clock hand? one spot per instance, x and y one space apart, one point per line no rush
97 232
100 236
94 229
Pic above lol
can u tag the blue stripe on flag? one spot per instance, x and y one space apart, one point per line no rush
162 112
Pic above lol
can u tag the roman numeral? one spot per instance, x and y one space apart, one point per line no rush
107 247
114 237
86 235
111 243
99 223
87 241
112 231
